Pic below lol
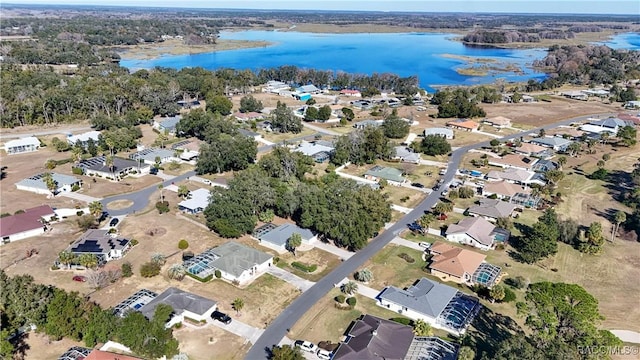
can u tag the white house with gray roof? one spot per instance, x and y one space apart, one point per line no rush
444 132
320 152
475 231
167 124
149 156
556 143
407 155
36 184
184 304
84 138
196 202
23 145
441 306
97 166
236 263
275 237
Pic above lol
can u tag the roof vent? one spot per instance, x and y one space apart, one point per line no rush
374 332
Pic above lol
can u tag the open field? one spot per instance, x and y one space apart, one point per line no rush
195 342
40 347
178 47
280 137
324 260
389 269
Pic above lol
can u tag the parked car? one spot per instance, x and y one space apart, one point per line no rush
220 316
445 193
114 222
418 185
306 345
425 245
324 354
443 171
79 278
414 227
153 171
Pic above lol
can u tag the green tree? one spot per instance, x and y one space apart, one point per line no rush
627 135
159 259
433 145
394 127
421 328
176 272
6 347
539 243
219 104
567 231
183 244
311 114
284 121
362 146
50 183
86 222
126 269
149 269
348 114
294 242
562 161
497 293
365 275
426 220
195 123
619 218
285 352
466 353
443 207
554 176
466 192
494 142
250 104
183 191
89 261
349 288
95 208
324 113
66 258
504 223
593 240
238 305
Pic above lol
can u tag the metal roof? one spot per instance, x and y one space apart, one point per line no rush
279 235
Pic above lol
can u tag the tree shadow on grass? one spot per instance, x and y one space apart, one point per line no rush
517 242
20 346
488 330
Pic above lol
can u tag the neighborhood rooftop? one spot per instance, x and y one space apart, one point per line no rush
99 164
454 260
198 200
97 241
30 219
180 301
426 296
84 137
279 235
37 181
150 155
476 227
232 258
493 208
372 338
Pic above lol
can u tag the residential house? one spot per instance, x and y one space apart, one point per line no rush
23 145
576 95
543 166
601 93
502 189
568 132
248 116
405 154
236 263
528 99
513 161
24 225
364 123
363 104
373 338
275 237
134 302
475 231
309 89
104 355
189 104
187 149
630 118
250 134
275 87
196 202
153 155
265 125
517 176
36 184
492 209
320 152
167 124
444 132
184 304
441 306
462 266
498 121
349 92
393 176
75 353
556 143
83 139
462 124
611 125
97 166
102 244
529 149
634 104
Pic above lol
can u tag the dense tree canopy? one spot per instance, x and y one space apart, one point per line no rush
362 146
432 145
394 127
284 121
457 103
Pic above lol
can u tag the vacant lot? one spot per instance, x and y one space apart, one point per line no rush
277 137
324 260
40 347
210 342
541 113
389 268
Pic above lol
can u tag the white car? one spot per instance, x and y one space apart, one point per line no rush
306 346
425 245
324 354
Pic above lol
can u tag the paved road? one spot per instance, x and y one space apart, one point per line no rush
285 321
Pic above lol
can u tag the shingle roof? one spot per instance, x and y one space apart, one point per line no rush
199 199
511 174
530 148
99 164
438 131
28 220
170 122
235 258
406 154
425 297
30 140
610 123
454 260
493 208
504 188
514 160
373 338
282 233
387 173
84 137
151 154
180 301
37 181
467 124
476 227
313 148
552 141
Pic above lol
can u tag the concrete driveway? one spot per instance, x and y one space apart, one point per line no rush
407 243
239 328
292 279
80 197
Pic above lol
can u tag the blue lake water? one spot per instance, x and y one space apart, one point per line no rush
404 54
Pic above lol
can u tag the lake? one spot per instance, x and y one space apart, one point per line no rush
427 55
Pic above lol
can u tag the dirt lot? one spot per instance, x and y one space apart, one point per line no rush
195 342
40 347
541 113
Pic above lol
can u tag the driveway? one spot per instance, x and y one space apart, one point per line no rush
627 336
339 252
406 243
239 328
80 197
292 279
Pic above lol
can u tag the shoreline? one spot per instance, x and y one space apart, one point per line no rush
174 47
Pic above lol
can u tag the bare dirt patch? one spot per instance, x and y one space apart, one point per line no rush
40 347
210 343
103 188
119 204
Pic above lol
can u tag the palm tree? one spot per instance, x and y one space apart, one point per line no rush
443 208
176 272
426 220
160 187
238 304
562 160
421 328
51 184
604 136
364 275
497 293
77 154
619 218
183 191
349 288
89 261
293 242
66 258
95 208
158 259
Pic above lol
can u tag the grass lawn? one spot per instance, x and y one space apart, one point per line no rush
324 260
280 137
389 269
462 138
403 196
418 238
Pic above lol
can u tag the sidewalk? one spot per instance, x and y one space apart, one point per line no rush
488 153
292 279
627 336
489 134
265 142
433 163
80 197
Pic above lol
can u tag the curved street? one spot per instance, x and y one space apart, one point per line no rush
279 327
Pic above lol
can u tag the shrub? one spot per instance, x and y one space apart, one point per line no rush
54 267
196 277
600 174
75 187
177 325
303 267
509 295
406 258
218 274
351 301
183 244
149 269
340 299
127 271
79 213
133 242
112 230
401 320
234 282
162 206
276 260
493 196
517 282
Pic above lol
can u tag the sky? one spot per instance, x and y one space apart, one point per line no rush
624 7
